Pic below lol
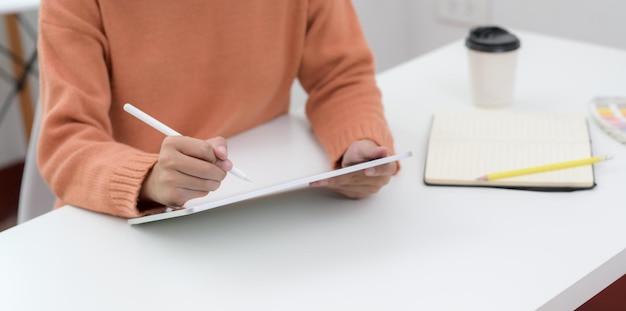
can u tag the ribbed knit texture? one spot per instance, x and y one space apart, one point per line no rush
203 67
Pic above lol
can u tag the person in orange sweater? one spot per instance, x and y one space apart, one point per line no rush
209 69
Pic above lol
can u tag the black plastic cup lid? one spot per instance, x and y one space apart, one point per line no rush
491 39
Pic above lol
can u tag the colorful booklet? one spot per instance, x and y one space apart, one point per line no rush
466 146
610 114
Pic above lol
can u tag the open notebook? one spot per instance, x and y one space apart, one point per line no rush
465 145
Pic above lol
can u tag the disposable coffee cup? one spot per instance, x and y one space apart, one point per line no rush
492 53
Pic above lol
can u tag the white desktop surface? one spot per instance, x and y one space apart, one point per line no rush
17 6
409 247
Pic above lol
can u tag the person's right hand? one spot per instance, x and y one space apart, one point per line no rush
187 168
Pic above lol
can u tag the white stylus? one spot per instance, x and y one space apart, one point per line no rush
156 124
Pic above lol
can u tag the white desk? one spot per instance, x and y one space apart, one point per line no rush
410 247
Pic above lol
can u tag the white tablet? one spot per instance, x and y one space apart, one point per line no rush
267 190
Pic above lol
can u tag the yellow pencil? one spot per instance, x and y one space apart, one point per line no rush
544 168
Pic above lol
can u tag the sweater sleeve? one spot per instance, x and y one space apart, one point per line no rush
337 71
77 154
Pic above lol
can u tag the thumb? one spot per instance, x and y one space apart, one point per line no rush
362 151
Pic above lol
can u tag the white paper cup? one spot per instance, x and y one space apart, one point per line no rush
492 56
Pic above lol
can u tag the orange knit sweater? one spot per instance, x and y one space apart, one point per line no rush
205 68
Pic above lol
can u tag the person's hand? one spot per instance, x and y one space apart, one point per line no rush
187 168
362 183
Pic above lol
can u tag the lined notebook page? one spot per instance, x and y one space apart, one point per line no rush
465 145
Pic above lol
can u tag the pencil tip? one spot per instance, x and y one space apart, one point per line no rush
483 178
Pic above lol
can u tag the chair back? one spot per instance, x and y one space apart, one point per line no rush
36 198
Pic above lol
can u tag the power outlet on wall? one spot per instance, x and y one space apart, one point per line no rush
464 12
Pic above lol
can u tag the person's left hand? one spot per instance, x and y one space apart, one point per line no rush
362 183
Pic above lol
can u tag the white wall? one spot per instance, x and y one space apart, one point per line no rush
387 26
398 30
598 21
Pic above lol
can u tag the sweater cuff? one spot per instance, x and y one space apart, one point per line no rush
126 183
336 135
